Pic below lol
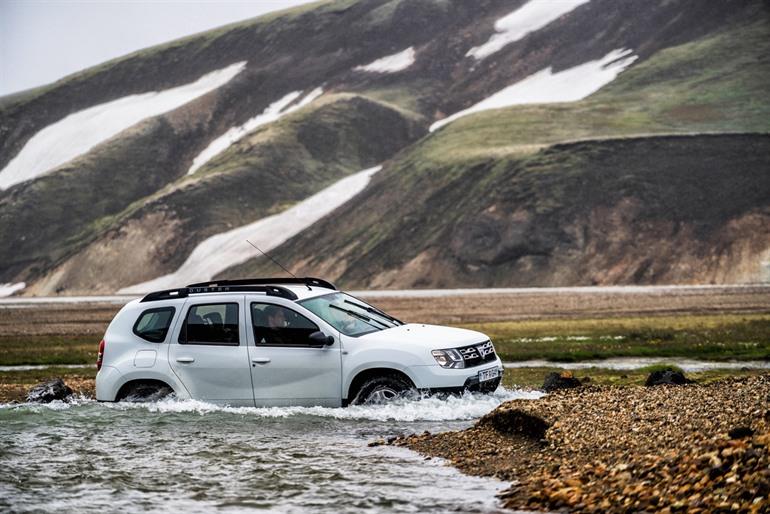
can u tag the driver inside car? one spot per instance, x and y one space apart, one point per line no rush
275 332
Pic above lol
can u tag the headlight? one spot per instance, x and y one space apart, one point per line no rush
448 358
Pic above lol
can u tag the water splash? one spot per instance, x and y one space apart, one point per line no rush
467 407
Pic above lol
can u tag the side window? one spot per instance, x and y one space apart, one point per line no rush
278 326
213 324
152 325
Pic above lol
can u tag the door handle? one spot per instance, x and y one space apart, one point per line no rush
186 360
260 360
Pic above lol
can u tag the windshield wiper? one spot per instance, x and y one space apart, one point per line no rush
375 311
365 319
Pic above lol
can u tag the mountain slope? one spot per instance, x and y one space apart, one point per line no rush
316 94
454 233
595 212
262 174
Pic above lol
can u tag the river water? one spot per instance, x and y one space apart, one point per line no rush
190 456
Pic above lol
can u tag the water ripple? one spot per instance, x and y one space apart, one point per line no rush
186 455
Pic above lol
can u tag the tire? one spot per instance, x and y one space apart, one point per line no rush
145 393
382 389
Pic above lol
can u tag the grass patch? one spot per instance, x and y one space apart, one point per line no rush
35 376
710 337
660 367
19 350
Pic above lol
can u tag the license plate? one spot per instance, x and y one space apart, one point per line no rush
488 374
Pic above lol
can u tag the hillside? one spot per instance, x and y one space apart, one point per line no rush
570 173
595 212
488 201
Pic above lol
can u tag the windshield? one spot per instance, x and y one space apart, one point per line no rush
348 314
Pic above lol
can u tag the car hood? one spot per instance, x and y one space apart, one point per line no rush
432 337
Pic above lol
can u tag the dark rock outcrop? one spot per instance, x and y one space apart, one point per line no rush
47 392
516 422
555 381
667 377
740 432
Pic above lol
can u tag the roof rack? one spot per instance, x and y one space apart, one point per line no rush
184 292
305 281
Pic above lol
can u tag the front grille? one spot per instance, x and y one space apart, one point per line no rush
477 354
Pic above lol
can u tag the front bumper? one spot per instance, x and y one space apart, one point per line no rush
471 384
437 379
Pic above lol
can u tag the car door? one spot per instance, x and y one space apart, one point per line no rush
209 350
285 369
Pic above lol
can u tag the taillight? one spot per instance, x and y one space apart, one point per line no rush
100 356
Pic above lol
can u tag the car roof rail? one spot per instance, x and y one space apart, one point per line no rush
305 281
183 292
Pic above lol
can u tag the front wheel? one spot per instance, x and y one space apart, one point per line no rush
384 389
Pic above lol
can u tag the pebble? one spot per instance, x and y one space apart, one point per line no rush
695 448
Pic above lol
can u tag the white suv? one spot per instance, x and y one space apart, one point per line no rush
282 342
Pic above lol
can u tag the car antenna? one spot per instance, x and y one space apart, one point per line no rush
275 262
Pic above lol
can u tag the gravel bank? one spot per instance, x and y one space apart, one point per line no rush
694 448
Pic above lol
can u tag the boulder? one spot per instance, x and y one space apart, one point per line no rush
667 377
555 381
515 422
46 392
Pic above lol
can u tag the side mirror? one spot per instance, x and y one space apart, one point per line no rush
318 339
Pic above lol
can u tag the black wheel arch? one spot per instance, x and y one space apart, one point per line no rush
126 389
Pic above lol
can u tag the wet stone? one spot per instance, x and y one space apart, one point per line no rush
666 377
555 381
47 392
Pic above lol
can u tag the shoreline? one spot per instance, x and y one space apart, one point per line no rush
622 449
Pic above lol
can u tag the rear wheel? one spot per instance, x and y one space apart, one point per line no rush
144 392
382 389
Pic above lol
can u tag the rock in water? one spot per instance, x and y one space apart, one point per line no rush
667 377
49 391
555 381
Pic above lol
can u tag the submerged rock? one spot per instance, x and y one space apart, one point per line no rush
555 381
46 392
667 377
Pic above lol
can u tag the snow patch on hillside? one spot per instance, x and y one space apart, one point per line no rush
9 289
222 251
545 86
530 17
79 132
390 63
272 113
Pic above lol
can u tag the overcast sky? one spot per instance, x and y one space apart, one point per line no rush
44 40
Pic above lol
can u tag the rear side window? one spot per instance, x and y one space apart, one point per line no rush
213 324
153 324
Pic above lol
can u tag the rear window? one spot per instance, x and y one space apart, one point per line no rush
211 324
153 324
